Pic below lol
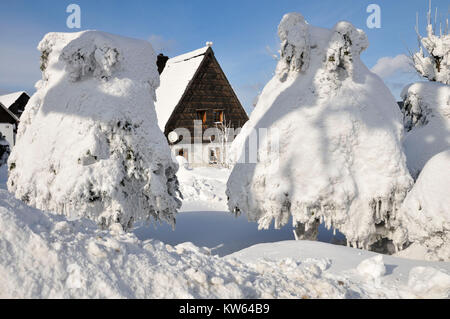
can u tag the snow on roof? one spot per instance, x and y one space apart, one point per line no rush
9 99
175 79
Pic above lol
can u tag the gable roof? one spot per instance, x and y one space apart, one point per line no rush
9 99
174 81
8 113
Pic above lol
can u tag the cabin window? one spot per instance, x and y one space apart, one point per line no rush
183 152
218 116
201 115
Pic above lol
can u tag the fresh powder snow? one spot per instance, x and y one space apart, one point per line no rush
202 184
88 143
339 160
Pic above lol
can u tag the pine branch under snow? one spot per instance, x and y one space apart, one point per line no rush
432 61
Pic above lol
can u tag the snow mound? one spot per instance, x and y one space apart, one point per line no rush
372 268
428 282
365 273
340 159
88 143
426 113
48 256
425 213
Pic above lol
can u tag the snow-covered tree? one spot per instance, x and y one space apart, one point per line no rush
425 213
225 135
339 159
88 143
432 61
426 111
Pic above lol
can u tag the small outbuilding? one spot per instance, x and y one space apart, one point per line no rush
11 108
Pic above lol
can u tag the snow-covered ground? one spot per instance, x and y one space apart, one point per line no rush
204 185
368 268
204 218
47 256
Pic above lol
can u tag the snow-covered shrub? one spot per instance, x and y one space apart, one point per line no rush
340 159
295 44
425 213
433 59
88 143
426 112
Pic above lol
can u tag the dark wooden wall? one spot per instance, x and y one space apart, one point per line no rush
209 91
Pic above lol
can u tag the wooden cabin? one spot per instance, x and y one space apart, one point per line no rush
11 108
195 91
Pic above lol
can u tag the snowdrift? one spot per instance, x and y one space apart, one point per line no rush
340 159
427 121
425 212
47 256
88 142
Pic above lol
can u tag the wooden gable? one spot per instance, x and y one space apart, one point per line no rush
18 106
6 116
209 98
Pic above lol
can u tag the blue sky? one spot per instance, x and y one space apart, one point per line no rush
244 33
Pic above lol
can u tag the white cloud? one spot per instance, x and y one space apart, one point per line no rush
388 66
161 45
